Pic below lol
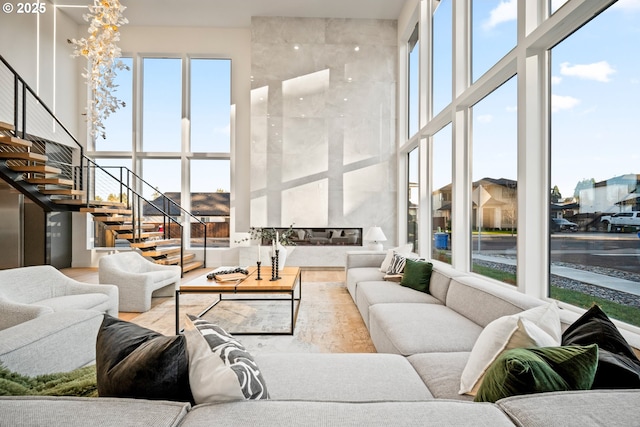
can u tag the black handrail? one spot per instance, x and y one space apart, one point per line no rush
79 179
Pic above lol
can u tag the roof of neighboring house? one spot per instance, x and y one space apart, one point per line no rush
202 204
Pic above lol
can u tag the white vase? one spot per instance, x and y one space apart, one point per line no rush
282 256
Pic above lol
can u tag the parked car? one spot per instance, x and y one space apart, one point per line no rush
562 224
618 221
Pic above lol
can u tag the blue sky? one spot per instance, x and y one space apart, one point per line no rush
595 87
162 117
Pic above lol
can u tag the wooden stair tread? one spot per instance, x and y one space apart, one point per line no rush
192 266
15 142
154 243
161 251
143 235
52 181
62 192
35 169
111 219
106 211
23 155
173 260
129 227
101 203
7 126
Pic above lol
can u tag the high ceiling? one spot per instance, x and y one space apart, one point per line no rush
237 13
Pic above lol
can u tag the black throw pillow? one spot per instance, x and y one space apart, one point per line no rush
132 361
618 366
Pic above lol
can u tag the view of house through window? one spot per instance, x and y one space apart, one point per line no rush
494 193
595 170
413 199
163 151
441 178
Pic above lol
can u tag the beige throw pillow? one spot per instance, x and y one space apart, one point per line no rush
537 327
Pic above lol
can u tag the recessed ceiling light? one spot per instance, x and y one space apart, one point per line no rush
296 47
357 48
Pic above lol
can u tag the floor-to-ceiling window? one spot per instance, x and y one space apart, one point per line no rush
538 177
595 167
181 147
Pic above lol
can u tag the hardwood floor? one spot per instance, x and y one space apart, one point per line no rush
328 318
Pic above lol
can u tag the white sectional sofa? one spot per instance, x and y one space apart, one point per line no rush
423 342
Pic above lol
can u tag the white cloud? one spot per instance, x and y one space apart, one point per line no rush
226 130
506 11
559 102
484 118
555 80
512 109
598 71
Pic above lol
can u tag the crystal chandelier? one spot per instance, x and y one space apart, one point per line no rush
105 18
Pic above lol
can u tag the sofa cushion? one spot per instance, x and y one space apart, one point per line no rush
574 408
537 370
220 368
417 275
361 274
618 366
441 373
483 302
132 361
89 411
537 327
355 377
410 328
290 413
370 293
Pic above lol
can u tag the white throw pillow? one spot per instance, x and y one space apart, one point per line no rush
537 327
220 368
404 249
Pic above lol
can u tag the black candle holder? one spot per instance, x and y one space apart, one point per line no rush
274 267
258 278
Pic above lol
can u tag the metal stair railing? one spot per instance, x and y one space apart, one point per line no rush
34 121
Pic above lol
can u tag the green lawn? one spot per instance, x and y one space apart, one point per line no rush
620 312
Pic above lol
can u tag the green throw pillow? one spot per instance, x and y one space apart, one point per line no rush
536 370
417 275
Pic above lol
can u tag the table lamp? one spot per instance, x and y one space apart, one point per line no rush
375 237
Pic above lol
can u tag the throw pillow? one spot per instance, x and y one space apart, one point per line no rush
537 370
220 368
417 275
618 366
404 249
397 264
132 361
537 327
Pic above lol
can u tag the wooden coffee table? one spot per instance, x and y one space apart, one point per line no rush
289 281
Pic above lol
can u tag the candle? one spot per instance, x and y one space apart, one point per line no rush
259 258
277 237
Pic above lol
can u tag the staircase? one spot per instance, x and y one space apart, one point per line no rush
55 174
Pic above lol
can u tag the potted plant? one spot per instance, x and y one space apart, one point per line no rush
270 236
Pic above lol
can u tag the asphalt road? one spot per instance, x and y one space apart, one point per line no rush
620 251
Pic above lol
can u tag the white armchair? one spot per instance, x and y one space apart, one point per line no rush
30 292
138 279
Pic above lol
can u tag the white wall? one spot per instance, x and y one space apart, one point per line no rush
35 46
323 142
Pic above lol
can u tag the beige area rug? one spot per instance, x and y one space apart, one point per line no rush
328 320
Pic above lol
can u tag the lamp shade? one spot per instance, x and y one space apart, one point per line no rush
374 236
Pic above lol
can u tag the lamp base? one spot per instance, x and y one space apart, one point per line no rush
375 246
